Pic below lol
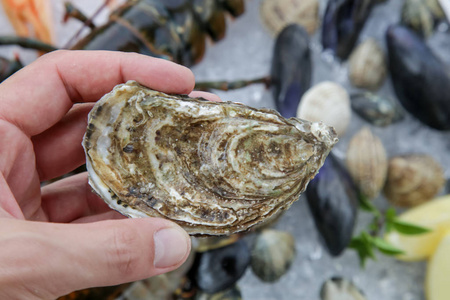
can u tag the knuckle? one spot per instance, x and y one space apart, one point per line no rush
126 251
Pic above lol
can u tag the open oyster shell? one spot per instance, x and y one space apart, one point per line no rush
213 168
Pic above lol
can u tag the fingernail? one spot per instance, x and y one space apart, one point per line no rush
171 246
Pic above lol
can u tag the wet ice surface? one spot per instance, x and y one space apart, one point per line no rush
246 53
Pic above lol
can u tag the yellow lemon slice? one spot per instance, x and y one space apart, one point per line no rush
434 215
437 285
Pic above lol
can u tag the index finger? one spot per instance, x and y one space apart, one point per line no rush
38 96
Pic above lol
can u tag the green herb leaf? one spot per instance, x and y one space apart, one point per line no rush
390 216
362 244
409 228
385 247
367 205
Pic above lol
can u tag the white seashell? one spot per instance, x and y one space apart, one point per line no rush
328 102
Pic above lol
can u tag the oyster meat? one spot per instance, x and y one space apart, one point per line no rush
215 168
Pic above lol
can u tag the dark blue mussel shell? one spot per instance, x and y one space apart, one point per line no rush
420 79
342 23
219 269
333 201
375 109
291 69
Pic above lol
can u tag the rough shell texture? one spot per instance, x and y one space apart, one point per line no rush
413 179
367 162
214 168
276 14
272 254
328 102
367 65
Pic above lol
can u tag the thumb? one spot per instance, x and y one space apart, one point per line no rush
47 260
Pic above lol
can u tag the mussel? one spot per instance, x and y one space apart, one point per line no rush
219 269
342 23
420 79
333 201
375 109
291 69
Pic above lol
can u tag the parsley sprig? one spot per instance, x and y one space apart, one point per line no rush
368 241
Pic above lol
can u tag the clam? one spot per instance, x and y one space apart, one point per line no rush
337 288
277 14
328 102
219 269
342 23
419 78
291 69
333 201
367 162
413 179
213 168
367 65
272 254
375 109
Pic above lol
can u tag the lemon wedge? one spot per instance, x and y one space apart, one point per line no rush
437 285
434 215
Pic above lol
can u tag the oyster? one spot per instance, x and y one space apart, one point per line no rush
214 168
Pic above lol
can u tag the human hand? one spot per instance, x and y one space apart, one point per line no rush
62 237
